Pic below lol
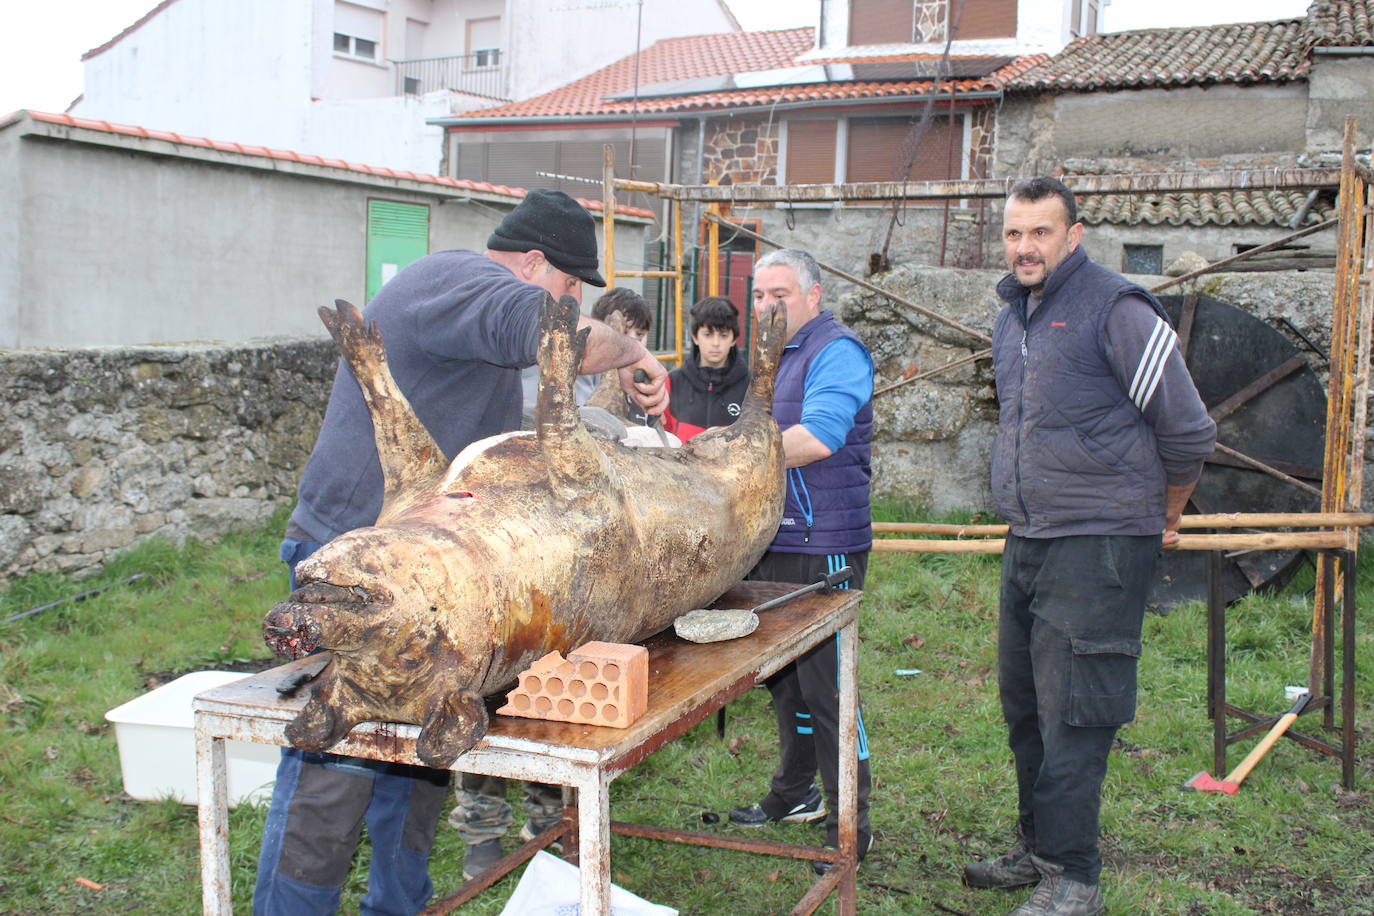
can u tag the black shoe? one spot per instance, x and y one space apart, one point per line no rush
811 808
479 857
823 868
1012 869
1057 895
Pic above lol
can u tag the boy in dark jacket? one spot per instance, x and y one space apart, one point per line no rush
709 386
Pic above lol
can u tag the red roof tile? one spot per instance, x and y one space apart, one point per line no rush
1248 52
677 59
1340 23
292 156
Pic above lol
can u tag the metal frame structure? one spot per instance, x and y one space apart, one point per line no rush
1347 387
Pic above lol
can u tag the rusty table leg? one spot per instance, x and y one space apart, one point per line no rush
849 766
212 790
594 842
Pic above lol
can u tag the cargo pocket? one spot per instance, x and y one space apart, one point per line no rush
1102 681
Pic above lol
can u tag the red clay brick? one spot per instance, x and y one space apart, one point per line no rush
601 683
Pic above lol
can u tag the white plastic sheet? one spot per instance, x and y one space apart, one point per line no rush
552 887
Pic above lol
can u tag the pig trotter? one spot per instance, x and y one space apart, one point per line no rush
451 728
320 724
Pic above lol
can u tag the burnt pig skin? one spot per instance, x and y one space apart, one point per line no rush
526 543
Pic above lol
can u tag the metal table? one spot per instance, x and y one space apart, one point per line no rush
687 683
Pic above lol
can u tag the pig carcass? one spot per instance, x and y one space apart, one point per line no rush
525 543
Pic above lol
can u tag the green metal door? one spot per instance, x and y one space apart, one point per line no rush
396 235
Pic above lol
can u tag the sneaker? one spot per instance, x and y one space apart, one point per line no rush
1057 895
811 808
822 868
479 857
1014 869
535 826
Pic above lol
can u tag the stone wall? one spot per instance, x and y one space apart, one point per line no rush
105 447
742 152
932 438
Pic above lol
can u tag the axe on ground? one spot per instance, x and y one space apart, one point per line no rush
1204 782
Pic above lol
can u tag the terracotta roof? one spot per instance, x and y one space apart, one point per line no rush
1247 52
142 19
605 92
291 156
1340 23
1211 208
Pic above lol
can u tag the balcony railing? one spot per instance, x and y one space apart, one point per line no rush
480 73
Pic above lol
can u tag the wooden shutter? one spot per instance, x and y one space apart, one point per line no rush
881 22
810 152
986 19
878 150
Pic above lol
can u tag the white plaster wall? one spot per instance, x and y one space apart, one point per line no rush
384 131
11 184
231 71
554 42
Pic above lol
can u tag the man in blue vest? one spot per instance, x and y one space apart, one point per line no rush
1100 441
822 403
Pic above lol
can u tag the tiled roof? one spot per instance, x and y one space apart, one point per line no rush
290 156
1247 52
603 93
1340 23
1211 208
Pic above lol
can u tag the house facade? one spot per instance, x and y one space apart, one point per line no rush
358 79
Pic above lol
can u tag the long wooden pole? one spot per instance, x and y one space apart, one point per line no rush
1289 540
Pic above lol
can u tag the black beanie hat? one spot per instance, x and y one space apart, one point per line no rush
557 225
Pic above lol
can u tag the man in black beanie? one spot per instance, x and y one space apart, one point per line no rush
458 327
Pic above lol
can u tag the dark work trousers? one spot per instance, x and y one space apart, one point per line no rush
319 804
806 701
1068 646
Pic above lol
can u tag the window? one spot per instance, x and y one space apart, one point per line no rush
484 41
881 22
873 149
1086 17
987 19
1142 259
357 31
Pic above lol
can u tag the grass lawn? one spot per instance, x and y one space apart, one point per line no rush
1290 842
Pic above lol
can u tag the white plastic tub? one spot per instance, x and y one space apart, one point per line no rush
157 748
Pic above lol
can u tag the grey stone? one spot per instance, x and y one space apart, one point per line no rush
14 537
22 487
1186 263
714 626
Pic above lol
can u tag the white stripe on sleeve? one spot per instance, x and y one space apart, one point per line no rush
1151 368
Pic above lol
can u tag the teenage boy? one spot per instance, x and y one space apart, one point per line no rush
708 388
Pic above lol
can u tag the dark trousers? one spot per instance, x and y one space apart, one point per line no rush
1068 647
806 701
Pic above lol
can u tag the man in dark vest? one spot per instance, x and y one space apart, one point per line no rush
822 403
1100 441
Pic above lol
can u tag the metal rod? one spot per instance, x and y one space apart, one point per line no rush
943 367
1249 253
1272 472
905 303
71 598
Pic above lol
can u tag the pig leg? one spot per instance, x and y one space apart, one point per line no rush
452 726
408 453
322 723
576 465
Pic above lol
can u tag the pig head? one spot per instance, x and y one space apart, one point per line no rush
524 543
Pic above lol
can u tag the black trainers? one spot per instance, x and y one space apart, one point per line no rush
822 868
1013 869
811 808
479 857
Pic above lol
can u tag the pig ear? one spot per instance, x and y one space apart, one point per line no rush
407 451
575 463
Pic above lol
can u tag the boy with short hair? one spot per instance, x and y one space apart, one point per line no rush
708 388
638 320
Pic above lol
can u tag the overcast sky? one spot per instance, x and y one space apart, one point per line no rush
41 66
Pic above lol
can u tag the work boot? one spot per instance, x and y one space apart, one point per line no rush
479 857
535 825
1013 869
1057 895
810 808
823 868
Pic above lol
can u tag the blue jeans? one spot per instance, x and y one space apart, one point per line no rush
319 804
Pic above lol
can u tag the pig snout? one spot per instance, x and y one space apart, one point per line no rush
317 615
291 630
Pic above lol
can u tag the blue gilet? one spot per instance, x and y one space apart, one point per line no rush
827 509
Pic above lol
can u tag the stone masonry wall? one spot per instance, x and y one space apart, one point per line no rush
742 152
102 448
